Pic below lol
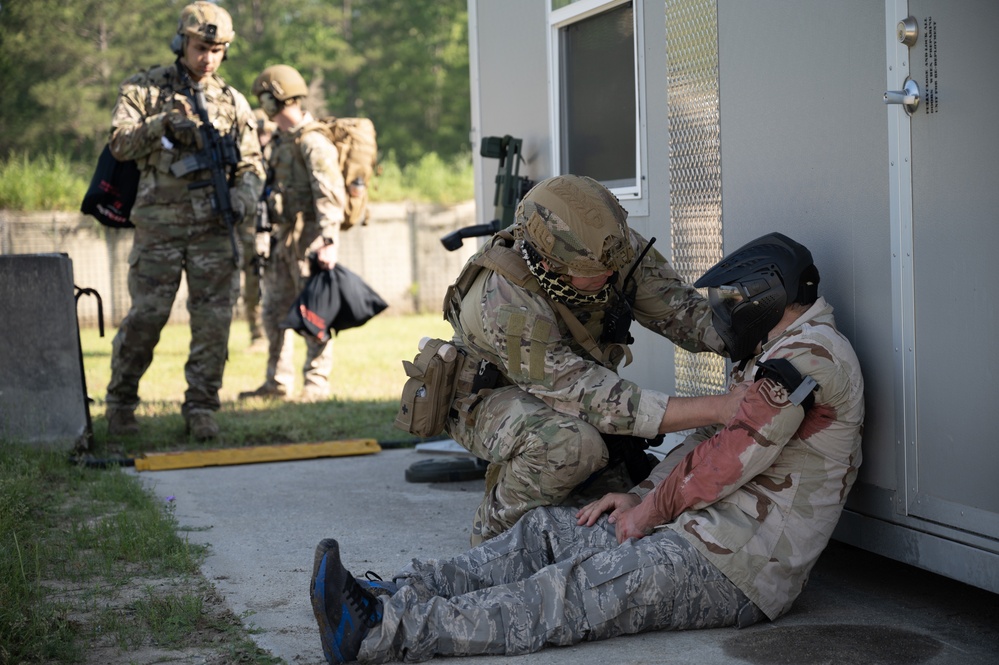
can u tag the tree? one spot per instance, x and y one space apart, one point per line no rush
61 63
403 63
414 80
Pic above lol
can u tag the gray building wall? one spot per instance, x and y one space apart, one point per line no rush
807 146
510 82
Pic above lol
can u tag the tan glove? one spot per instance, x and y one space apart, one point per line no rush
182 126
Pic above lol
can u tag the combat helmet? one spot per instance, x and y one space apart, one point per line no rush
750 288
576 225
282 81
205 20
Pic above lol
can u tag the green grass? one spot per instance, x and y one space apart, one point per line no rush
432 180
366 382
73 542
54 182
42 182
91 563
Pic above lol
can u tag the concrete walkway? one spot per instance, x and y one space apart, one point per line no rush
263 521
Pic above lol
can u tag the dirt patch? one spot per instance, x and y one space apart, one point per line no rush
114 624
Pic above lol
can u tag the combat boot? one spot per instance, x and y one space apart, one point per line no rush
122 422
267 391
311 394
376 585
344 610
202 426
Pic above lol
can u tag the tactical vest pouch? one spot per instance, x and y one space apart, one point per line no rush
429 391
203 201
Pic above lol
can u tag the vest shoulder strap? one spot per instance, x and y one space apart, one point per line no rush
500 257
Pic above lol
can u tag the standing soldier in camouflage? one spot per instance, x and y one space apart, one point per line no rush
306 208
724 532
543 319
178 228
254 255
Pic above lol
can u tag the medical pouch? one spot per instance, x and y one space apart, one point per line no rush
429 391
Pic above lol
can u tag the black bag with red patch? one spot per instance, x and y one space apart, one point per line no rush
112 190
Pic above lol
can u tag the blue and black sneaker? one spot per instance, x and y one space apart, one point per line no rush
376 585
344 609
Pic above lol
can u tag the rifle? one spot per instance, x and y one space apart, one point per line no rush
216 153
510 188
261 239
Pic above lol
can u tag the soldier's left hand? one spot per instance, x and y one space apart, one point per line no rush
636 522
614 503
733 402
238 204
326 255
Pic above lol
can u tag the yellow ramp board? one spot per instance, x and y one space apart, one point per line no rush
188 459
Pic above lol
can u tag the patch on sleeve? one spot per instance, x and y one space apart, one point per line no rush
774 394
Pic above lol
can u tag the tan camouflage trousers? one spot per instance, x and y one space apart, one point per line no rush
158 258
283 281
549 582
251 283
537 456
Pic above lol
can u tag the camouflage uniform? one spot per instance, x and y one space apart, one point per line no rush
761 497
251 266
306 202
751 506
177 232
251 282
548 582
541 428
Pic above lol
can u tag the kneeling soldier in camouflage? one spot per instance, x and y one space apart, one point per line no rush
543 314
724 532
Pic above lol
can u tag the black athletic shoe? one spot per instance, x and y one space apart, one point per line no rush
374 584
344 610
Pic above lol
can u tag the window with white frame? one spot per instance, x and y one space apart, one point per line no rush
595 61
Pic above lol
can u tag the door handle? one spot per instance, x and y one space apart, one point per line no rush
908 96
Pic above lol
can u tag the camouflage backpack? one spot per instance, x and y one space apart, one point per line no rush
355 140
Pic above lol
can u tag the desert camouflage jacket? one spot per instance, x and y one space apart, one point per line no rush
139 131
760 497
520 331
308 193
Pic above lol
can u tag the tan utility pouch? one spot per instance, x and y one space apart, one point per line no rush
429 391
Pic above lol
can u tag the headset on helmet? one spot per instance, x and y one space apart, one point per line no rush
577 225
205 20
750 288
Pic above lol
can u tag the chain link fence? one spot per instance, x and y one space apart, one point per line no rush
398 253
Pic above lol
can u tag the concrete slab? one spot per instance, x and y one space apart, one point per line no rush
262 522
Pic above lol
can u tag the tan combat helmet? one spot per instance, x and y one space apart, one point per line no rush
282 81
577 225
205 20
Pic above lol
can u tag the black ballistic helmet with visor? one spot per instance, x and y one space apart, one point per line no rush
750 288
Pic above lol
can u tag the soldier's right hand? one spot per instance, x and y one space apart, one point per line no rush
183 129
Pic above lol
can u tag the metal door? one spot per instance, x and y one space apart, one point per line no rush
944 161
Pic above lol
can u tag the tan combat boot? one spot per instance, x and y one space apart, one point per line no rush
267 391
202 426
121 422
311 394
